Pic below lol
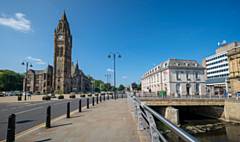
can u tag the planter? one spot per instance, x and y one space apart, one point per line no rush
97 95
46 98
83 96
72 96
61 97
89 95
19 98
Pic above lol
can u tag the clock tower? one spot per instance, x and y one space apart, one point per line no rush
62 57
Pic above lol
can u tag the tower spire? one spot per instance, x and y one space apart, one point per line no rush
64 17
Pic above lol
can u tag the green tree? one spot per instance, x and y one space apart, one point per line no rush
10 80
139 87
134 86
121 87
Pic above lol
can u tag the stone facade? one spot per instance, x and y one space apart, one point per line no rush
64 77
80 82
39 81
234 70
62 57
176 77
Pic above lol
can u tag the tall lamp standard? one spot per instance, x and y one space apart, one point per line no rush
114 56
108 76
25 81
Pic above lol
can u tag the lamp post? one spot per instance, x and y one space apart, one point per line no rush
114 56
25 81
108 76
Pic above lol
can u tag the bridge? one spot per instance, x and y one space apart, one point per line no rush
219 107
191 101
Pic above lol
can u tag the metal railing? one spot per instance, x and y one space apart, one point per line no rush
154 95
144 115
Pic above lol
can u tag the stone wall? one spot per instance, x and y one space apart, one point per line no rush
172 114
231 111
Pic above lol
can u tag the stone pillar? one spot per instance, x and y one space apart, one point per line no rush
202 89
172 115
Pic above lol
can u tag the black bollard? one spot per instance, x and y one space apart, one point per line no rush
48 117
97 99
100 98
122 95
104 97
108 97
87 103
68 110
11 128
112 96
80 106
92 101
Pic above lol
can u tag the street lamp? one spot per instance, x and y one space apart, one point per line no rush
108 76
114 56
25 82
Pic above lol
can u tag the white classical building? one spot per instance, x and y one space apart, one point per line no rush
176 77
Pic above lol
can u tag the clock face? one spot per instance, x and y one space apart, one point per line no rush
60 37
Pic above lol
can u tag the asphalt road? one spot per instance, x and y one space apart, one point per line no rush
30 114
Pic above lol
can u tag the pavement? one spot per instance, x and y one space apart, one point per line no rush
110 121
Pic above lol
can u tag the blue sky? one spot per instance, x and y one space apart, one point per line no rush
145 32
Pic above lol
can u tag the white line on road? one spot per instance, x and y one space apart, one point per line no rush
29 110
61 103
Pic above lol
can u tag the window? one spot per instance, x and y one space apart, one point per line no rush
187 76
197 88
197 76
178 75
178 89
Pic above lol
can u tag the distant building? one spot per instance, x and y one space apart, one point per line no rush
234 70
217 69
39 81
176 77
80 82
64 77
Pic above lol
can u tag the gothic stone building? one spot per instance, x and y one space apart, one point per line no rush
39 81
60 78
62 56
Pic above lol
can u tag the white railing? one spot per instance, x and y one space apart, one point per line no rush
145 117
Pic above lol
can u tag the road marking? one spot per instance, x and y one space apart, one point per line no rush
29 110
61 103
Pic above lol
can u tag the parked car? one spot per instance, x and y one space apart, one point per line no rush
2 94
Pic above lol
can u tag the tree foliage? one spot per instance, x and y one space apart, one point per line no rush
136 86
121 88
10 80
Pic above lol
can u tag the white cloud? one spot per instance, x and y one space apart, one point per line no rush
18 22
124 77
110 70
36 60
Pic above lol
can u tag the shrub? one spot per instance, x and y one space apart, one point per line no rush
89 95
46 98
72 96
97 95
83 95
60 97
